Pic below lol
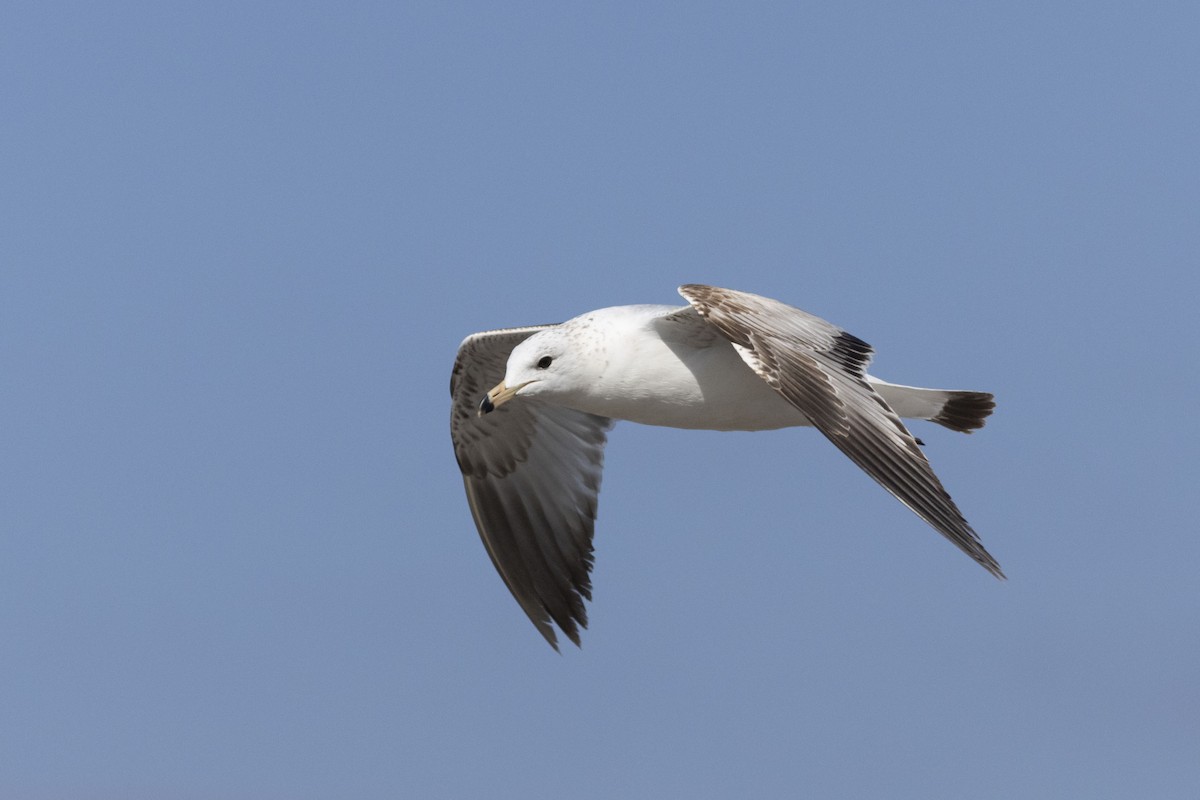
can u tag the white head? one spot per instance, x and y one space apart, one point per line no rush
552 363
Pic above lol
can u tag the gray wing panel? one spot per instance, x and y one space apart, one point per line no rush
532 476
820 369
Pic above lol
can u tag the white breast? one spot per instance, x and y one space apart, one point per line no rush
671 384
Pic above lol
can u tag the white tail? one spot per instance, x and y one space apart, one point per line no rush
956 410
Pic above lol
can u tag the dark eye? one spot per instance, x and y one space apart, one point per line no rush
544 362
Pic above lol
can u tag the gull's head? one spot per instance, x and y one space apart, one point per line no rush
543 365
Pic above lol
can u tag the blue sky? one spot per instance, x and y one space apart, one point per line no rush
240 243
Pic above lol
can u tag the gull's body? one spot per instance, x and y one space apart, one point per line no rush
685 376
728 361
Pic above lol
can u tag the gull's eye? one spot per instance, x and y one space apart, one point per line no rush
544 362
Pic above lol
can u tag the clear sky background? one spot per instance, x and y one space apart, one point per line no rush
241 242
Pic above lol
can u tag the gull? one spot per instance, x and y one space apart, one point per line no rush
532 407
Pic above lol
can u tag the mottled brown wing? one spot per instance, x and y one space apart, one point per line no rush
532 476
820 369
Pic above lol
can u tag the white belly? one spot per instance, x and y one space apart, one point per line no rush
708 389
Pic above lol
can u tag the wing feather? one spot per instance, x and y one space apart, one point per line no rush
532 476
821 370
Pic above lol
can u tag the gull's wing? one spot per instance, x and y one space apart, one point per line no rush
532 475
820 369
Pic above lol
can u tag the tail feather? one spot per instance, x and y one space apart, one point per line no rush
965 411
956 410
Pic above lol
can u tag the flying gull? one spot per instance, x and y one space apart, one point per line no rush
532 408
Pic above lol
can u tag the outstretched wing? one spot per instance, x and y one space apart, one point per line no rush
532 474
821 369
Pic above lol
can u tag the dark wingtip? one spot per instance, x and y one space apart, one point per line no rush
569 624
966 411
548 633
570 627
992 566
851 352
